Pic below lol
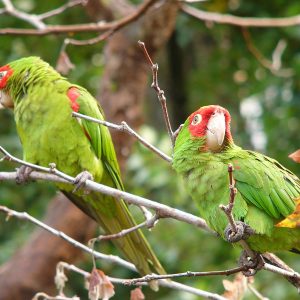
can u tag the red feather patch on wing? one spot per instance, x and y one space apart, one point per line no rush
8 73
73 94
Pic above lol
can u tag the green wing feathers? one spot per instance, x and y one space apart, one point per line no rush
266 184
113 215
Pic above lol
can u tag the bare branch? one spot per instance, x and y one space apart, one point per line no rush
160 93
240 21
59 10
32 19
125 128
98 255
162 210
148 223
233 191
256 292
228 211
43 29
184 274
162 282
275 65
44 296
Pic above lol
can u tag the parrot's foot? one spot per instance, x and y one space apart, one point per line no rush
23 174
242 233
81 179
252 264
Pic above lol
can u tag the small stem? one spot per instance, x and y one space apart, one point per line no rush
148 223
125 128
184 274
160 93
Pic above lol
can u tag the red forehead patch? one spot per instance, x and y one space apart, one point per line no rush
73 93
7 71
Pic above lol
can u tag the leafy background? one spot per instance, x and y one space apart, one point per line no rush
202 64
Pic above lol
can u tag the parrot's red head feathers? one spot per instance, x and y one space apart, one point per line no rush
212 122
5 73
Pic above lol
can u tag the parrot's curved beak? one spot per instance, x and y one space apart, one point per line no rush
5 100
216 127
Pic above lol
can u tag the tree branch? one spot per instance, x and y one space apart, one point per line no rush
240 21
98 255
162 210
124 127
160 93
43 29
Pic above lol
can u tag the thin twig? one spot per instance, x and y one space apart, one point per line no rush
44 296
240 21
32 19
256 292
98 255
282 265
61 9
91 27
233 191
275 64
148 223
148 278
124 127
160 93
162 282
228 211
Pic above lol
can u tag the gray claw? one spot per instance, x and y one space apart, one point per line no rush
80 180
23 174
253 265
242 233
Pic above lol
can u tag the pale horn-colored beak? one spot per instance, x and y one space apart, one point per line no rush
5 100
216 131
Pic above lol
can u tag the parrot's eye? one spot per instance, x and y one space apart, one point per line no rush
197 119
2 74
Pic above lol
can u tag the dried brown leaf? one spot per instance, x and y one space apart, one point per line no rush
64 64
235 290
100 286
292 220
295 156
137 294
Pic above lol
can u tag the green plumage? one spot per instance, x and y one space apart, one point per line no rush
266 190
50 134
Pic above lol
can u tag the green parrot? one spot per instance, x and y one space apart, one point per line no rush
266 190
43 101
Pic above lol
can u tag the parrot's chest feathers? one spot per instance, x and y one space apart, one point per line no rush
50 135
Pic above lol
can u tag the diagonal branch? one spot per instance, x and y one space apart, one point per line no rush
125 128
160 93
51 174
98 255
240 21
59 10
43 29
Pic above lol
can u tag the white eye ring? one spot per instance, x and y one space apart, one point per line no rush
197 119
2 74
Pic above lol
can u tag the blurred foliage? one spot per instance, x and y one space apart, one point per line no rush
214 66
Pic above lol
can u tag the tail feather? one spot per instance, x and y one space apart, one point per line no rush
113 216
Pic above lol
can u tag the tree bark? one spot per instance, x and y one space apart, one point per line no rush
123 85
32 268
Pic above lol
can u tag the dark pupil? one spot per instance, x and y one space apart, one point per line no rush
195 119
1 75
